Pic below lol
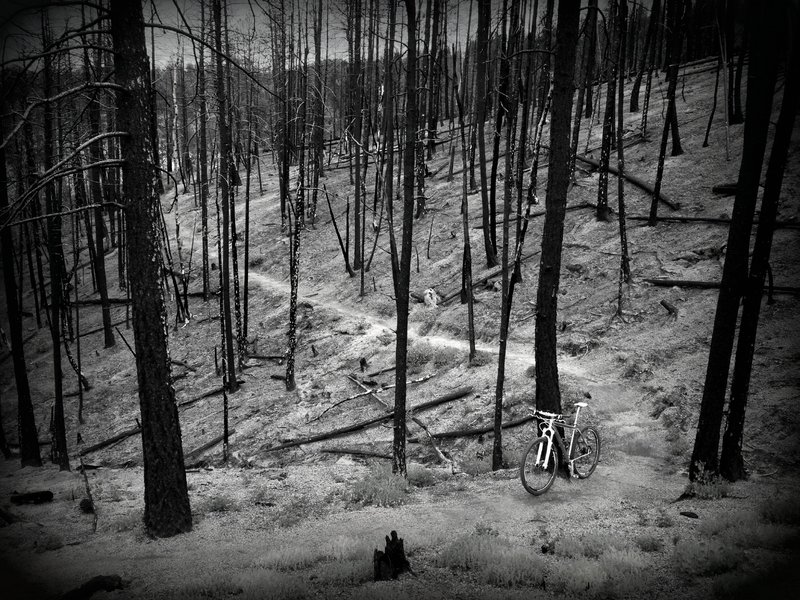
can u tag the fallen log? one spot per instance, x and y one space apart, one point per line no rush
725 189
454 395
482 280
99 302
671 308
381 371
112 440
355 452
711 285
412 416
634 180
719 220
207 445
32 497
208 394
459 433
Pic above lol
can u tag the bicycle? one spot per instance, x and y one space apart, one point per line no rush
540 462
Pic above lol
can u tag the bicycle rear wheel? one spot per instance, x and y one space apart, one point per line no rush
585 451
536 477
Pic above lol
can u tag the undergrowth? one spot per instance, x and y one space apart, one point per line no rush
494 560
380 487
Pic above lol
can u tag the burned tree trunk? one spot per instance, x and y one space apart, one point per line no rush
58 450
226 167
28 440
760 85
548 394
167 509
731 462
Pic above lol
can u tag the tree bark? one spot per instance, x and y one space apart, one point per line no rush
167 510
548 394
203 156
612 58
226 166
403 274
760 85
58 450
481 92
648 53
28 439
731 461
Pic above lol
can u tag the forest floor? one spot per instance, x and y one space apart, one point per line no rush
303 522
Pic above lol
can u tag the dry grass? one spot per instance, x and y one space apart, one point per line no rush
494 560
704 557
380 487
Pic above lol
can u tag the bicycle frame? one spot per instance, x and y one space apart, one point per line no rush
550 422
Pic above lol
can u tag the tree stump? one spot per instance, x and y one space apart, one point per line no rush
389 563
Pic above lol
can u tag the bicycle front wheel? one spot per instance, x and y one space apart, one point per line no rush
585 451
537 470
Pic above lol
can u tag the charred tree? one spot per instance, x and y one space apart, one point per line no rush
589 24
202 151
167 510
731 465
509 195
648 53
58 450
224 183
401 265
612 62
761 79
674 8
548 394
481 92
28 440
96 193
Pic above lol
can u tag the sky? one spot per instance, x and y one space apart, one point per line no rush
20 22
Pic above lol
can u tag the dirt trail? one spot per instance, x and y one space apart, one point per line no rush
514 352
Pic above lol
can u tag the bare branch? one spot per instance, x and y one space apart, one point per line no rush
60 96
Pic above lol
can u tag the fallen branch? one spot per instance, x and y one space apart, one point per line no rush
112 440
367 392
482 280
381 371
205 395
207 445
710 285
720 220
415 419
458 433
99 302
634 180
454 395
671 308
356 452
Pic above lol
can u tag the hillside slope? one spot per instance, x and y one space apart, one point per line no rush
287 521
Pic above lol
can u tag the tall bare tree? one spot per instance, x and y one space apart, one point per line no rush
548 392
28 440
167 510
226 168
762 74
